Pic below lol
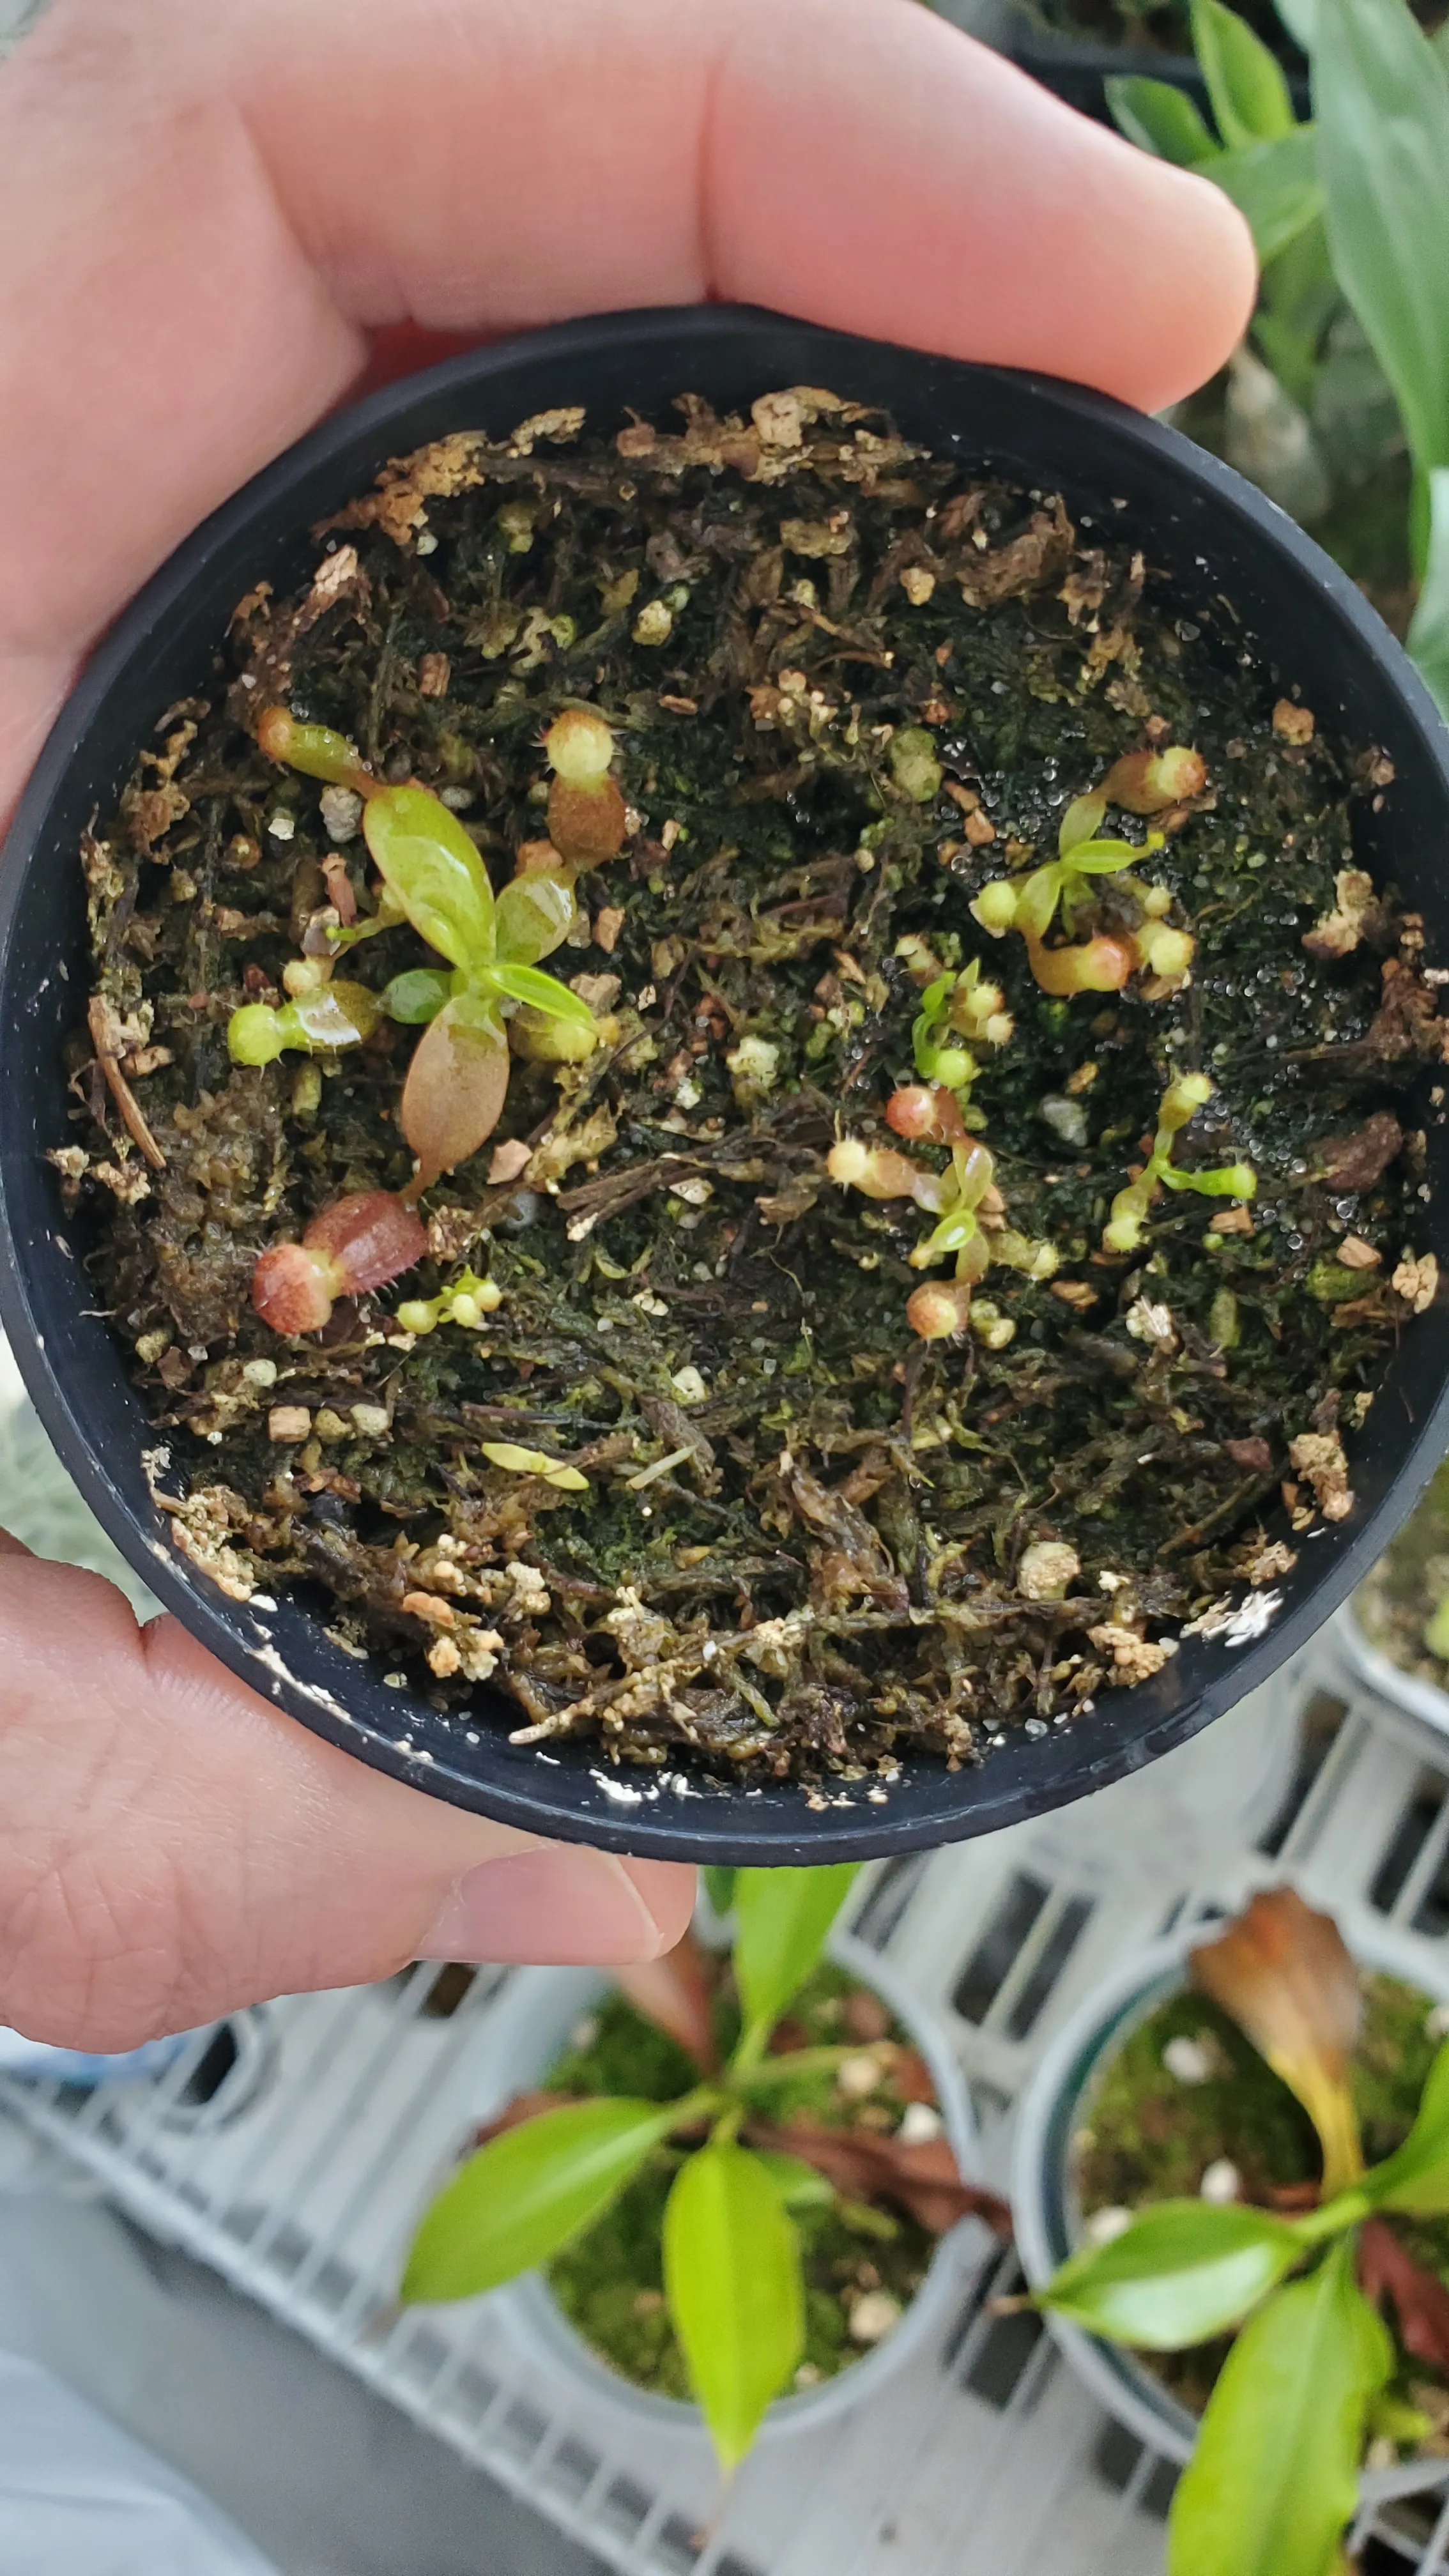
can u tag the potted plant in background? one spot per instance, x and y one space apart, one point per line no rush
1232 2202
735 2172
1338 403
1395 1629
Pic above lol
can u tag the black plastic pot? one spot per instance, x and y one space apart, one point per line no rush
1218 539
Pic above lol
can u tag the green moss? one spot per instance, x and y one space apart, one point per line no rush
610 2281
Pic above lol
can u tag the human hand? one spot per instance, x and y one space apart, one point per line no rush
213 223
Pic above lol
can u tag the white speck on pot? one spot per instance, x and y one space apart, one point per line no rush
1221 2183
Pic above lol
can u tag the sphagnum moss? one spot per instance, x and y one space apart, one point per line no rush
679 1441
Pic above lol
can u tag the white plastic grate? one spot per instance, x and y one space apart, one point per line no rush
294 2153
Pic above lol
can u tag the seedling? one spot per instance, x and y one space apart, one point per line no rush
1063 887
458 1079
963 1198
1180 1103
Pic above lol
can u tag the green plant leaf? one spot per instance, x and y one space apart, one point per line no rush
735 2290
1416 2175
1276 185
433 869
1381 99
533 914
719 1887
799 2185
542 993
1245 83
526 2193
1429 644
1300 17
1184 2270
1160 118
1274 2476
416 996
783 1916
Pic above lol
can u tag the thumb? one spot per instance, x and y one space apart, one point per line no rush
172 1847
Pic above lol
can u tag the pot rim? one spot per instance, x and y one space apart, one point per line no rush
1033 428
554 2342
1041 2196
1386 1679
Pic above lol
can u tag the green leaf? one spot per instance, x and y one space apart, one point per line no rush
735 2290
1184 2270
799 2185
1416 2175
1245 83
1300 17
1395 2421
1274 2476
526 2193
1429 644
1160 118
417 996
517 1461
783 1916
1276 185
435 872
542 993
534 913
1381 95
719 1887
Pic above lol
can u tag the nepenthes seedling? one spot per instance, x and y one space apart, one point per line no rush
433 877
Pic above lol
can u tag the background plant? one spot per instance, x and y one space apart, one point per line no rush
1338 403
1273 2478
732 2264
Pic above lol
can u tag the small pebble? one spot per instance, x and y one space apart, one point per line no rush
1221 2182
873 2315
1187 2059
1105 2225
341 811
920 2122
857 2076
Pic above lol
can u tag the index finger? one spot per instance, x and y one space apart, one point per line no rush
205 217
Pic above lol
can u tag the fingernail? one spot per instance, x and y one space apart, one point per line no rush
546 1908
